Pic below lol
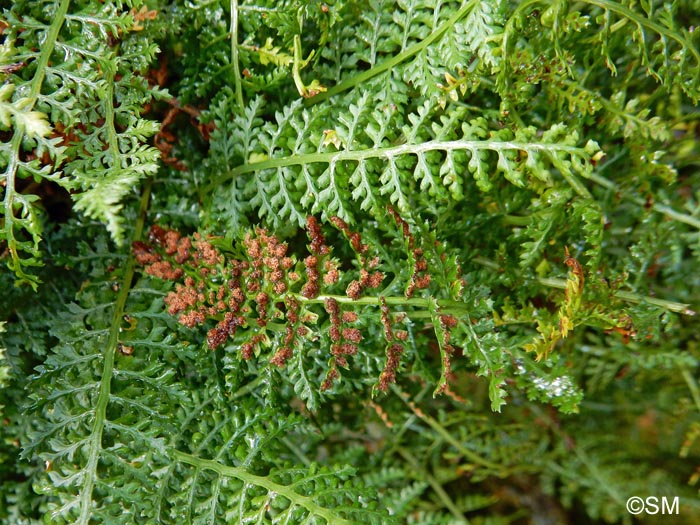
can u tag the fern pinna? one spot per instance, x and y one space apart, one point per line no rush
372 261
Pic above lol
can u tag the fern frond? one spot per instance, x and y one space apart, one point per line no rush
490 215
112 157
549 216
438 156
287 495
29 129
484 346
247 479
670 55
378 34
94 408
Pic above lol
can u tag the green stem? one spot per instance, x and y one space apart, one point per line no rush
47 48
95 441
388 152
442 431
631 297
297 66
516 220
261 481
234 55
392 62
248 387
437 488
663 31
692 386
448 305
376 301
576 184
660 208
560 284
112 137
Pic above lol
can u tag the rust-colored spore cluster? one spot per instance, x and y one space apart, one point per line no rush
146 255
312 287
355 238
394 348
292 330
227 291
330 378
318 241
168 247
248 348
172 242
344 339
319 258
261 295
420 278
367 279
224 328
447 322
393 360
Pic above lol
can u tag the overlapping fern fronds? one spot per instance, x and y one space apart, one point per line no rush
72 100
405 261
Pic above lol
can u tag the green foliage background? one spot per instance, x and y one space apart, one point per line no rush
538 160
